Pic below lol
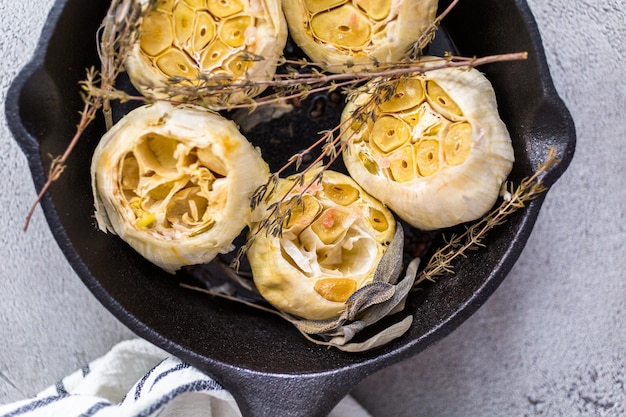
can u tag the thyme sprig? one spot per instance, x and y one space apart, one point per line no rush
415 51
214 91
514 199
204 90
118 32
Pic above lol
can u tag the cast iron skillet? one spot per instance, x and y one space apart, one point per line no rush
265 363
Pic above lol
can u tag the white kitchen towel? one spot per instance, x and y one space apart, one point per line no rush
137 379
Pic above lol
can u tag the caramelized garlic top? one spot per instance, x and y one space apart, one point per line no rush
329 247
348 35
175 183
436 152
195 39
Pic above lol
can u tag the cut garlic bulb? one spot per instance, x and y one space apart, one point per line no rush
330 246
175 183
191 40
436 152
348 35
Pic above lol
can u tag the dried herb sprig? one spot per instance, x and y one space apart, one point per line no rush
415 51
213 91
300 85
117 34
514 199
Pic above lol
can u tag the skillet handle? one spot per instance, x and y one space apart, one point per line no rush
272 395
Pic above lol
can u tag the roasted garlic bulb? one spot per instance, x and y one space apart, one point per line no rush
330 246
175 183
210 39
436 152
351 34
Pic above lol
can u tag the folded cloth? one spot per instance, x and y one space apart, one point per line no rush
135 378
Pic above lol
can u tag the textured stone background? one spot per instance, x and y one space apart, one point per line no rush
551 341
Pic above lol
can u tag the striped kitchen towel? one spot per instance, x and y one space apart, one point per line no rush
137 379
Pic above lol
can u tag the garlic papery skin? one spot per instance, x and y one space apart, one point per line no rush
205 43
436 153
175 183
351 35
330 246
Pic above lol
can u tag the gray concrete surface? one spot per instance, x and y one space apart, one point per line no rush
551 341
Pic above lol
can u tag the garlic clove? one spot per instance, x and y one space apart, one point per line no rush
329 226
203 32
314 6
302 214
342 194
457 143
175 63
183 17
408 93
158 34
232 30
376 9
441 102
342 26
427 157
225 8
195 4
389 133
402 164
337 290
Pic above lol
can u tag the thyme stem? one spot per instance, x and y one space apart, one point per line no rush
118 31
443 259
87 115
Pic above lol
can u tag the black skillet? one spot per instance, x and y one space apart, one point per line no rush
264 362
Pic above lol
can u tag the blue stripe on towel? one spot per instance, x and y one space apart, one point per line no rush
176 368
95 408
143 381
35 405
199 385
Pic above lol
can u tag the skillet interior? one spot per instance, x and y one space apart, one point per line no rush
237 345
